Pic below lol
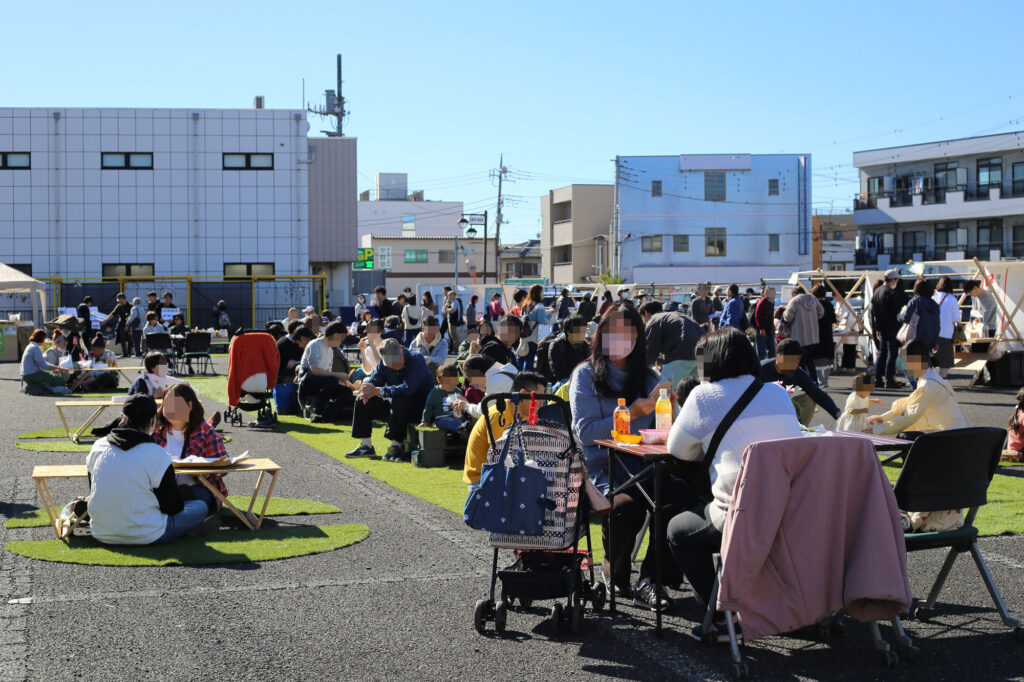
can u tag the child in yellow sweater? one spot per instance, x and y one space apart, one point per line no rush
479 445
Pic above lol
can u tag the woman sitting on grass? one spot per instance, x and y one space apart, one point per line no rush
36 371
182 432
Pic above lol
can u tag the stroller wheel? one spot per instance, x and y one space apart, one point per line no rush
556 619
480 616
525 603
598 595
577 618
500 616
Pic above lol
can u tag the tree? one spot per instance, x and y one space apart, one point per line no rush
608 278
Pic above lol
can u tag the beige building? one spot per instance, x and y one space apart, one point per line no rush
427 262
521 261
575 223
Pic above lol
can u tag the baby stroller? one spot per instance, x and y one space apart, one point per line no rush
549 565
253 361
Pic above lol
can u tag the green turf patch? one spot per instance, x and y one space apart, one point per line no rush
54 446
44 433
279 506
222 547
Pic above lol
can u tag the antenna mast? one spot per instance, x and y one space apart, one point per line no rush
334 105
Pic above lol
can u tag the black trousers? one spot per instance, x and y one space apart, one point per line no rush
849 356
694 541
321 390
399 413
629 509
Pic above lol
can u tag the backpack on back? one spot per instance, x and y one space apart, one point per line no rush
543 363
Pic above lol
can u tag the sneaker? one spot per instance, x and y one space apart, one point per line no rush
645 596
214 420
209 524
362 451
395 453
894 384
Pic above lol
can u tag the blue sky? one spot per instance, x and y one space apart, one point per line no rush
439 90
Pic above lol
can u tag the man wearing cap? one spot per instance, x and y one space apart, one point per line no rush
325 390
396 391
886 303
135 499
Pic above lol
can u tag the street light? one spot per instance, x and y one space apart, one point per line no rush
471 233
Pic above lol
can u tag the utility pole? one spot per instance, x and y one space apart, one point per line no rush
334 105
501 172
615 222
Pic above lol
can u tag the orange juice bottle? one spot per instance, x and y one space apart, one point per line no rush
663 411
621 417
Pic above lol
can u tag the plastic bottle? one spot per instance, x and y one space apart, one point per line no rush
621 417
663 411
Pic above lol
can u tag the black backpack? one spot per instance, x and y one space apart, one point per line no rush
543 365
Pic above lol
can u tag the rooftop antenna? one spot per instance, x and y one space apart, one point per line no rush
334 105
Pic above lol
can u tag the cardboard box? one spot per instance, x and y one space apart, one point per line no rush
9 343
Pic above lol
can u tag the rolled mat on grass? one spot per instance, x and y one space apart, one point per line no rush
221 547
279 506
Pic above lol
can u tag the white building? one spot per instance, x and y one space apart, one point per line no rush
395 212
942 200
140 192
718 217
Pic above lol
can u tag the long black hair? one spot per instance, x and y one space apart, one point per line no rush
636 362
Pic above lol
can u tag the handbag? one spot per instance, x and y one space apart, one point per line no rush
908 332
512 496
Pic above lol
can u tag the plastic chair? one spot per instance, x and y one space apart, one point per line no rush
161 343
197 347
952 470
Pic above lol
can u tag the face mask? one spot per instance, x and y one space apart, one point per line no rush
161 370
618 346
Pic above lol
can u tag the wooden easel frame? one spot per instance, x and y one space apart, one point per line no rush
985 276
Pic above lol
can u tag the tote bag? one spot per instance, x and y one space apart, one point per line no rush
908 332
512 496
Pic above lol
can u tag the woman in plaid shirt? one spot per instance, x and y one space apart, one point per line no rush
182 431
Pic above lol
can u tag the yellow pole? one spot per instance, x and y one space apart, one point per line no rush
188 301
254 302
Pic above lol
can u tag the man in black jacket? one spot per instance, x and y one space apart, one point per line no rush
569 349
886 303
587 308
385 308
501 347
671 341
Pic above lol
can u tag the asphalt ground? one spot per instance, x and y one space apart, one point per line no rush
399 605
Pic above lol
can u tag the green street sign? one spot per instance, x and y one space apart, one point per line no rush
364 259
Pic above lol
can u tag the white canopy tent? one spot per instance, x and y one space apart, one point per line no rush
16 282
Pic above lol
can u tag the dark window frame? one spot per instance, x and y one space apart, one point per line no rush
443 253
774 236
712 233
712 185
248 161
991 227
649 239
3 161
988 165
655 188
425 259
680 238
127 165
248 270
128 269
773 187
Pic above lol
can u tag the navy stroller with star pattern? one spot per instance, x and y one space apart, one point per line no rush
549 565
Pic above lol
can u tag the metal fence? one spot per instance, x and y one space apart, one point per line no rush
251 301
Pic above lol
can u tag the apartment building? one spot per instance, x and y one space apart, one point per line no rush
944 200
575 223
722 217
522 262
427 262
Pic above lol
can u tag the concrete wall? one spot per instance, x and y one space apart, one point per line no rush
333 223
590 213
187 215
748 214
433 218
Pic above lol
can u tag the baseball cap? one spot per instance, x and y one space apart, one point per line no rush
391 350
309 309
139 409
892 274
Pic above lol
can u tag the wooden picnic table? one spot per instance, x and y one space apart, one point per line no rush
100 404
41 475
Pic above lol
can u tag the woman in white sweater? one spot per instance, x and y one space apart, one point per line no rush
730 367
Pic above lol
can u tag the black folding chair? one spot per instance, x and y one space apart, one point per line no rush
197 349
161 343
952 470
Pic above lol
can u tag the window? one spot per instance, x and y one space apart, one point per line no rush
127 160
446 256
26 268
563 254
408 224
714 185
875 188
680 242
990 235
127 269
714 242
248 269
651 244
1018 179
990 172
529 269
15 160
773 242
655 188
837 235
415 256
914 242
248 162
773 187
946 239
945 174
1018 242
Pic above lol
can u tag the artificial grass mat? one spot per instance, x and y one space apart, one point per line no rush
44 433
54 446
279 506
222 547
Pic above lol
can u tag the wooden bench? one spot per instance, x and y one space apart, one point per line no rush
41 475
